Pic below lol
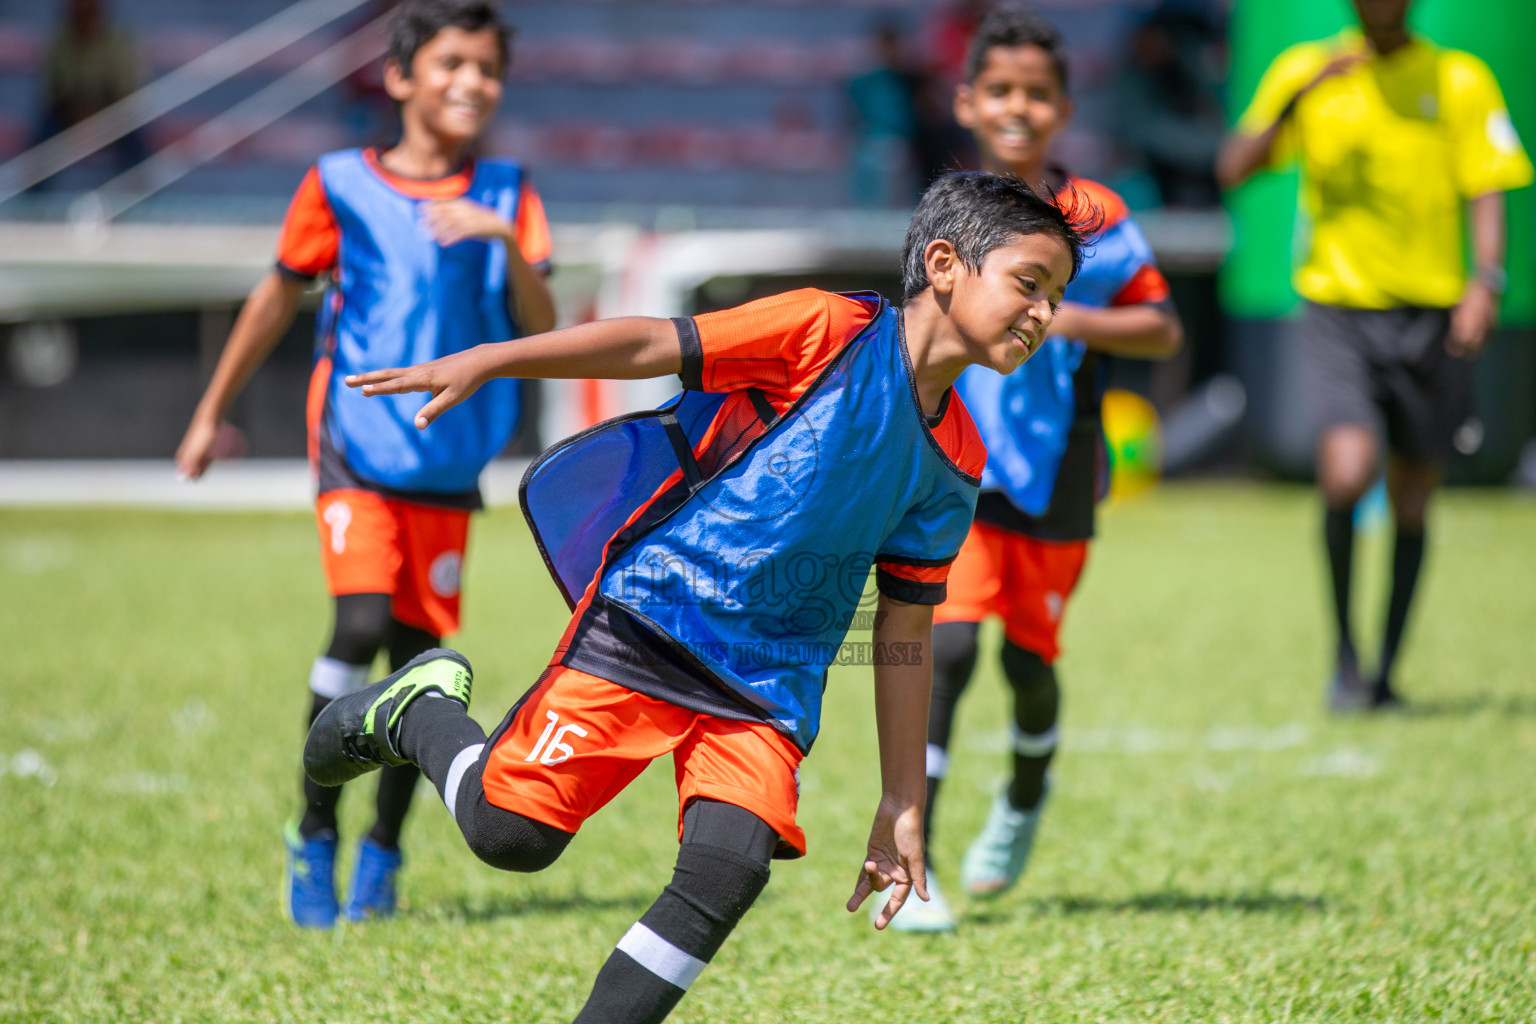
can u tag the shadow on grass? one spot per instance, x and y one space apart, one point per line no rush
482 911
1171 901
1508 704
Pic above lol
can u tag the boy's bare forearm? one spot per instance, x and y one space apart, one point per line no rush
624 348
533 303
263 320
1140 331
902 686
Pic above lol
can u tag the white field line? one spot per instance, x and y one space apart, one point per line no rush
242 486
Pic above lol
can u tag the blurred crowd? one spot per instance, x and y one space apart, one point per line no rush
840 119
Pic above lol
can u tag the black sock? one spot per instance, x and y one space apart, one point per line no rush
397 785
433 732
362 621
1339 539
1407 557
712 889
319 801
1036 701
954 660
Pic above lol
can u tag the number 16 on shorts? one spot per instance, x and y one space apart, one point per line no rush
551 748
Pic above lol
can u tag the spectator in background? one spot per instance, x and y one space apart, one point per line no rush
1170 105
91 65
947 37
882 101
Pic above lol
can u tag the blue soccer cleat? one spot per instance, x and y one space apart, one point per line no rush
996 858
373 882
309 880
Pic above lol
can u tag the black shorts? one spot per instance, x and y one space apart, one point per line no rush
1387 366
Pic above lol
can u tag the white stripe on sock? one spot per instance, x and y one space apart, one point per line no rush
461 762
332 678
660 957
938 761
1036 744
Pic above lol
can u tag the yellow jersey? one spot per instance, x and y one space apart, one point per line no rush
1389 153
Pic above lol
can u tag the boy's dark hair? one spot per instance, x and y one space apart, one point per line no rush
417 22
1015 26
977 212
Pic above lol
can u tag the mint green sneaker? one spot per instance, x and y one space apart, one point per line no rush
996 858
915 915
361 731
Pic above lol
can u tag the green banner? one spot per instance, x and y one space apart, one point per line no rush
1256 280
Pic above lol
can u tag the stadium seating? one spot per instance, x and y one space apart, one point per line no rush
610 101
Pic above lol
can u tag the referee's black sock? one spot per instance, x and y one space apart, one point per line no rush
1339 538
1407 558
712 887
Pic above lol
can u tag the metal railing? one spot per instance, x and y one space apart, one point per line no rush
192 79
236 124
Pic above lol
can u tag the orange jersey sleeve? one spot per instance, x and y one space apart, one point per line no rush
530 229
1146 285
778 344
310 240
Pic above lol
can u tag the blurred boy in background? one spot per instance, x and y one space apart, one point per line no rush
1046 465
430 250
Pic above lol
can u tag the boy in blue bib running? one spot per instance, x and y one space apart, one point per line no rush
714 553
430 251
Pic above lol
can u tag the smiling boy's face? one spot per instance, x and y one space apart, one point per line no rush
1014 107
1003 310
454 86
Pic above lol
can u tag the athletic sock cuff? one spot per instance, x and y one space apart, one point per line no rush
332 678
938 761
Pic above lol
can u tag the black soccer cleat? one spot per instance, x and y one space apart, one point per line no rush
361 731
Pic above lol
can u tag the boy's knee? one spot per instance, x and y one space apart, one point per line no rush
363 625
1027 672
509 841
954 642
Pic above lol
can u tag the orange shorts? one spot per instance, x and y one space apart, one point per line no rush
370 544
1023 580
575 741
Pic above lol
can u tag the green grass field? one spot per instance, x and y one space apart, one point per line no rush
1217 849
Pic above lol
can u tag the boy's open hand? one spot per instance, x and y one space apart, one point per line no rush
895 855
206 441
450 379
453 220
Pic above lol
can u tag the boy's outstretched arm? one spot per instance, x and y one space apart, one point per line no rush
624 348
262 322
903 678
1143 330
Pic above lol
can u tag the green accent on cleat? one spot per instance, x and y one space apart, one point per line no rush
996 858
443 676
361 731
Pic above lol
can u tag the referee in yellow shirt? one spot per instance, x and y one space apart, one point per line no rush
1396 138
